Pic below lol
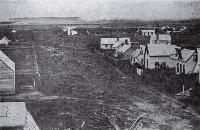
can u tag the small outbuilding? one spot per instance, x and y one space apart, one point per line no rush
7 75
4 41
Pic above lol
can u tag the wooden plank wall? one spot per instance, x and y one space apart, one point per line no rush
7 79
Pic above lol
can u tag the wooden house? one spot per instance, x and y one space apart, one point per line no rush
7 75
113 43
157 55
124 51
137 55
148 32
185 61
4 41
161 39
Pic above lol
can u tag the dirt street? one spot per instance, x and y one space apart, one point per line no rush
78 85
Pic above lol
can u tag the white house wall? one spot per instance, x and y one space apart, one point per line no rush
106 46
152 60
189 66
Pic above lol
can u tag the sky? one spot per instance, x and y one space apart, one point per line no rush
101 9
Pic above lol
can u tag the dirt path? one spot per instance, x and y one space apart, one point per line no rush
78 86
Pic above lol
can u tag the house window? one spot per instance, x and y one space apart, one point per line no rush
164 64
142 61
126 42
134 59
177 67
156 64
106 45
147 63
141 52
195 57
151 33
183 69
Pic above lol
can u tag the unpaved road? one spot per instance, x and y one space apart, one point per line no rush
79 85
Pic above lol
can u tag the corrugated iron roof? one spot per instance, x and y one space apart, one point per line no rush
7 61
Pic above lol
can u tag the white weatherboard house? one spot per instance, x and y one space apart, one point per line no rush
185 61
137 55
160 39
159 54
125 50
7 75
4 41
109 43
148 32
14 116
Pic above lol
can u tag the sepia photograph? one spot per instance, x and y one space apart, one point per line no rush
99 64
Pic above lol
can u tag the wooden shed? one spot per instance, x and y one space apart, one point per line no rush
7 75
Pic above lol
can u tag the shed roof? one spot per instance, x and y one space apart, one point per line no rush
161 49
7 61
12 114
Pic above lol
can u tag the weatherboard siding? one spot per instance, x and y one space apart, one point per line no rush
150 61
7 79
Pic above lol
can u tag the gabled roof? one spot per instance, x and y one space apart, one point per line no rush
108 40
161 37
186 54
4 38
148 30
136 53
117 44
161 49
12 114
124 48
7 61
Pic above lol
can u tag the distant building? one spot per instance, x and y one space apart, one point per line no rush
4 41
161 39
107 43
113 43
14 31
70 30
7 75
148 32
14 116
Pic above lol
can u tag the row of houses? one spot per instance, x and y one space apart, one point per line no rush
158 53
